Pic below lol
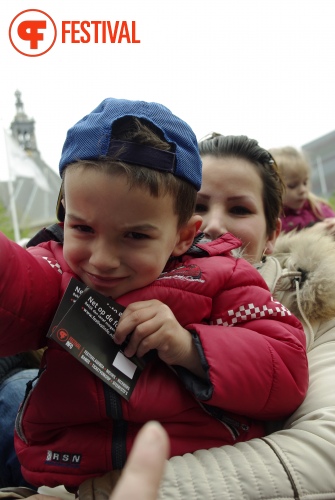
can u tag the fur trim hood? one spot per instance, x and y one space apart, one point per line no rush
307 259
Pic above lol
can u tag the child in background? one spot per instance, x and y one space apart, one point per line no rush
301 207
225 355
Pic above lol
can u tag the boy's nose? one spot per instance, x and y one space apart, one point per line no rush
105 257
213 225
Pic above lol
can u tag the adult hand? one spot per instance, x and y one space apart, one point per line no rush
329 225
326 225
144 469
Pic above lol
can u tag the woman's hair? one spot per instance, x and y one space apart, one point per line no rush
291 160
240 146
156 182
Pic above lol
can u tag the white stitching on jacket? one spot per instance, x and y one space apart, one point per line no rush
245 313
53 264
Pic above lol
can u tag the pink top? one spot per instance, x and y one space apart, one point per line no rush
298 219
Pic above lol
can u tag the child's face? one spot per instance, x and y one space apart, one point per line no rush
231 200
297 188
118 239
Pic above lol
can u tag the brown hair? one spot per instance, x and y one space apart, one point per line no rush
240 146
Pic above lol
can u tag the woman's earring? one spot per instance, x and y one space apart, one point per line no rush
263 259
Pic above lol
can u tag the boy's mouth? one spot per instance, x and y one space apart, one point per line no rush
104 281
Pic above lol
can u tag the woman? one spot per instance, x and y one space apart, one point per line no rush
241 193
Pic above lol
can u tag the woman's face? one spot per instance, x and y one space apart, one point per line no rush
231 200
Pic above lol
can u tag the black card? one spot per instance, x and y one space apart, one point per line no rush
84 325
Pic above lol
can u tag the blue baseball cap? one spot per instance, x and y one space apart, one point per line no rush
91 138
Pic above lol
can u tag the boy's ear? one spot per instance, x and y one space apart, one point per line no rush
186 235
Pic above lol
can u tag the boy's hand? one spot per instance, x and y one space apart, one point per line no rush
152 325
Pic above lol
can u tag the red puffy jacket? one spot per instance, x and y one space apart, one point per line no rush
72 426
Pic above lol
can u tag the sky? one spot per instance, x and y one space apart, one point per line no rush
263 68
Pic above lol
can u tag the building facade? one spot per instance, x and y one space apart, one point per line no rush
321 153
29 187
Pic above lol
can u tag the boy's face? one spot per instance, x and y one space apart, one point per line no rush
118 239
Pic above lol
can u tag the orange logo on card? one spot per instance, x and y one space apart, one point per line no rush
62 335
32 32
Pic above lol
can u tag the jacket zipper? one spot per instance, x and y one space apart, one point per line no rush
232 425
119 437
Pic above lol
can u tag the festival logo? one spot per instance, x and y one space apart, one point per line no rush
32 32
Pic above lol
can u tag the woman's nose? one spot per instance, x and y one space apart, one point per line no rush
213 225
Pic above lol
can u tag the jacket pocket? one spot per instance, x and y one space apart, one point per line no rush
235 427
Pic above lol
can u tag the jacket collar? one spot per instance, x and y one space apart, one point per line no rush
220 246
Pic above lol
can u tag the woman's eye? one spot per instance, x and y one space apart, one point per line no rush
239 210
200 208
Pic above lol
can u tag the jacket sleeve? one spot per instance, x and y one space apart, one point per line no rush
29 295
276 466
254 350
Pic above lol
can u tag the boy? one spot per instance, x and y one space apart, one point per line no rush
224 355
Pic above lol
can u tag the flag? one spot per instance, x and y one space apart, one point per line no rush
15 163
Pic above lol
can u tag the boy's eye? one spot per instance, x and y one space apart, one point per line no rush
200 208
137 236
83 229
240 210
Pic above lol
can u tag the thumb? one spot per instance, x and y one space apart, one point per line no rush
144 469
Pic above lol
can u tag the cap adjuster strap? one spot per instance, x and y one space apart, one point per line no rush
140 154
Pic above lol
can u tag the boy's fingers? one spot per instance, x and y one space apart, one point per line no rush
130 319
142 474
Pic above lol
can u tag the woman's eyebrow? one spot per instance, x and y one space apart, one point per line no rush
203 195
241 197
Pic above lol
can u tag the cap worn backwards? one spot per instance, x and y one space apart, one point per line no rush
91 138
